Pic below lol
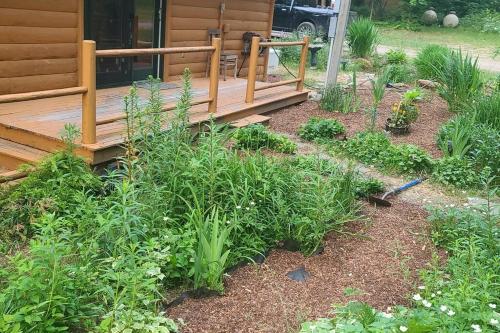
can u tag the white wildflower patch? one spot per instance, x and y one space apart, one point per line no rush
417 297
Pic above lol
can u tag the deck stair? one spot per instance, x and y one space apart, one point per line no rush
14 154
251 120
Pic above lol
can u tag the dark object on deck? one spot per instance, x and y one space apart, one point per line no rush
384 200
299 275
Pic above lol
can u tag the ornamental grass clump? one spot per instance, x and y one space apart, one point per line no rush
460 80
362 37
431 60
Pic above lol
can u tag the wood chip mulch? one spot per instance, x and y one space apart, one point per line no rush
381 259
433 113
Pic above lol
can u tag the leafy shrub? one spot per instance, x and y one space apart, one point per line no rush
400 73
484 21
317 128
338 98
406 159
431 60
55 186
460 80
365 187
460 297
374 148
456 171
396 57
362 37
258 136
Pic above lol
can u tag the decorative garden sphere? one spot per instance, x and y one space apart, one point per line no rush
450 20
430 17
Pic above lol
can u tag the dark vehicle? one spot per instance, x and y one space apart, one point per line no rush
303 16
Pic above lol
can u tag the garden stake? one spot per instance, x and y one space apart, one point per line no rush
386 203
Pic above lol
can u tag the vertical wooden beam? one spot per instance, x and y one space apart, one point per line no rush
303 62
213 90
89 98
79 40
252 69
269 34
337 44
168 29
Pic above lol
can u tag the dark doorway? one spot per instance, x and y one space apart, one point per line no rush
124 24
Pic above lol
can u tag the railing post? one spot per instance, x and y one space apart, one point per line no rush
302 66
213 89
252 70
89 98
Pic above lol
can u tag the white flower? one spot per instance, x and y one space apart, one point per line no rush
438 292
417 297
426 303
433 295
493 321
443 308
451 313
476 328
248 208
452 205
238 207
403 328
421 287
228 222
386 315
492 306
252 203
165 218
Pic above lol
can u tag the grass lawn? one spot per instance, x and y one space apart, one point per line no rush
481 43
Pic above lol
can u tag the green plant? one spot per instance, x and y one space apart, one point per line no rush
455 171
257 136
378 91
362 37
403 114
397 73
396 57
365 187
460 80
338 98
431 60
487 20
211 255
317 128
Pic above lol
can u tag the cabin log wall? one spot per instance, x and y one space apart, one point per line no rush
188 22
39 44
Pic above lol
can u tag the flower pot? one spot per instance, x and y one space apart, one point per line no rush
397 130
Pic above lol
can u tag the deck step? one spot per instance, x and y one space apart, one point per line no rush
251 120
7 176
13 154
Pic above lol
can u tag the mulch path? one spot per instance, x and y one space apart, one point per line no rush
433 113
381 260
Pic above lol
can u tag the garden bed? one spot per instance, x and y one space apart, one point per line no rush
433 113
379 265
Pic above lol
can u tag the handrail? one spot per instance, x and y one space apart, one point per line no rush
254 57
275 44
21 97
137 52
89 54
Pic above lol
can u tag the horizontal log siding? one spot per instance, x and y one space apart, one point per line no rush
38 45
188 22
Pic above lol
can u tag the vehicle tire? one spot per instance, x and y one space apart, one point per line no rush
306 29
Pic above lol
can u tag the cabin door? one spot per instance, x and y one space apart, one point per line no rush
124 24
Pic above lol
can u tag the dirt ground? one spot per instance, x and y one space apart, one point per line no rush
378 258
433 113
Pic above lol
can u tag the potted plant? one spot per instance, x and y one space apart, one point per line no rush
403 113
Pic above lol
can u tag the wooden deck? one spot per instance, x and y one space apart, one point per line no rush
29 130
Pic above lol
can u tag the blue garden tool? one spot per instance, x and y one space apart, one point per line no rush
386 203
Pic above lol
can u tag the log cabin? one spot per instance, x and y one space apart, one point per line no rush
73 61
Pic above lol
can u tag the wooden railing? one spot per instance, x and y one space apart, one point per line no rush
89 55
254 57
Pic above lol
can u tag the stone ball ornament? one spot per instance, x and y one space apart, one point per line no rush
450 20
429 17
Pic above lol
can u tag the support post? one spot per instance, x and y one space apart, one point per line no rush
303 62
252 69
89 97
213 90
337 44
